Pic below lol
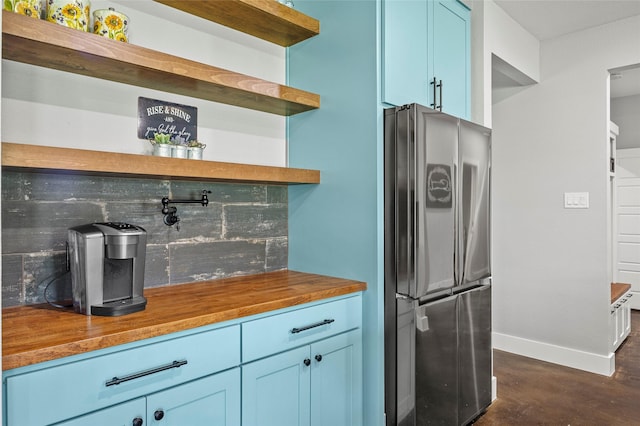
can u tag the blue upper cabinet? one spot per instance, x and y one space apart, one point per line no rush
426 54
405 67
450 56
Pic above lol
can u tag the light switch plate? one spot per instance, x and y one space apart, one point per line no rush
576 200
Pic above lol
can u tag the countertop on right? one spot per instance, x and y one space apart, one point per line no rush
619 289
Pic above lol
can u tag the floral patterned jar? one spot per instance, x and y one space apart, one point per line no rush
31 8
70 13
112 24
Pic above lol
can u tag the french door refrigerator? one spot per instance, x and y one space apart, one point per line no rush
437 268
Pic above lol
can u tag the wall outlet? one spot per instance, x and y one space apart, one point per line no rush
576 200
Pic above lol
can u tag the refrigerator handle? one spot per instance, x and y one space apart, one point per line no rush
413 238
440 86
457 228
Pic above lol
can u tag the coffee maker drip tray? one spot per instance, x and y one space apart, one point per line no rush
119 307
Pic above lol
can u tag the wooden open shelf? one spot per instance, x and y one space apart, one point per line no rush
42 43
36 157
266 19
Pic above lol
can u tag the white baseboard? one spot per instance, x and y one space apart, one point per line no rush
494 388
568 357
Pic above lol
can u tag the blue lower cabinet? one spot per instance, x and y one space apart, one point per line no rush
297 367
275 390
336 380
129 413
315 385
211 401
102 380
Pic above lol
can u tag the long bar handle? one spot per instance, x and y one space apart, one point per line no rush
437 87
117 380
296 330
434 104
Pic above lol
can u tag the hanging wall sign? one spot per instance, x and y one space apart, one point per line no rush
179 121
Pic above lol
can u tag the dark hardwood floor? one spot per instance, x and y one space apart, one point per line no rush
532 392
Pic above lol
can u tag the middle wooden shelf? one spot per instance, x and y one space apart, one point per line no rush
45 44
46 158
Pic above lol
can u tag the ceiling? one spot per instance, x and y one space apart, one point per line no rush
547 19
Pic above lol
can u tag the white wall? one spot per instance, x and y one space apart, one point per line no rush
551 287
48 107
625 112
494 33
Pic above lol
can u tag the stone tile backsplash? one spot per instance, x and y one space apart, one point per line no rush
242 231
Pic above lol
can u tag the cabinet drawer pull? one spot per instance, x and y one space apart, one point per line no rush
307 327
117 380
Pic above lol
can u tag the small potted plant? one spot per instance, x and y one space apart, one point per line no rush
195 149
161 144
179 148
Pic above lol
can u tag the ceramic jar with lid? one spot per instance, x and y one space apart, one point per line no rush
31 8
70 13
111 24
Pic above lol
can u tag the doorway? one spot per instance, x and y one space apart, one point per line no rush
624 176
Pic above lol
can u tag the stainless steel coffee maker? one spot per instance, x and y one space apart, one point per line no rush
107 268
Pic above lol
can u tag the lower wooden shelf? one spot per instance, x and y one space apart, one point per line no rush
36 157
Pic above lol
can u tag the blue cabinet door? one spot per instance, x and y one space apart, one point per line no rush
275 390
118 415
405 69
450 55
210 401
426 42
336 381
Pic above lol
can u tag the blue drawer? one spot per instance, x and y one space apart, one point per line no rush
64 391
277 333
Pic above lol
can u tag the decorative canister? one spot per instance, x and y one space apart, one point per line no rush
70 13
195 152
112 24
162 150
31 8
179 151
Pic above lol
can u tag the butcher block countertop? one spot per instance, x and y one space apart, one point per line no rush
618 290
38 333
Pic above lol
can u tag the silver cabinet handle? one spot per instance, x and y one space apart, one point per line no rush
310 326
117 380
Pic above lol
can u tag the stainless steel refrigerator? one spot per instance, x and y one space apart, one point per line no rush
437 268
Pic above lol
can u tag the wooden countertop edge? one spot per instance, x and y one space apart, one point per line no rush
618 290
32 355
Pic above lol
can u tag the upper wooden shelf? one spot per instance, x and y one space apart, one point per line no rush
36 157
266 19
42 43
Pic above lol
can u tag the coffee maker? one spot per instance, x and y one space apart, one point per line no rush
107 268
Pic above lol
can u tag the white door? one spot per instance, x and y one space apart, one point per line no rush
627 218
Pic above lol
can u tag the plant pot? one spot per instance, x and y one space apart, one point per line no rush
162 150
195 152
179 151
